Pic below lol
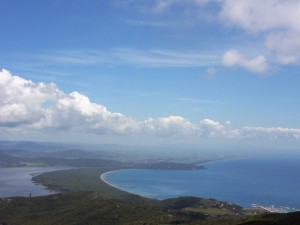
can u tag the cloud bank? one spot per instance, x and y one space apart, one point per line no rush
25 105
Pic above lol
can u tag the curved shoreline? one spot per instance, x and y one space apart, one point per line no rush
261 162
102 177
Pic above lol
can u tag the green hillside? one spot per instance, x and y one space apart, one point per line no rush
93 209
85 199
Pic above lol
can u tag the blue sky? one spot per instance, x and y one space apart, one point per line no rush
205 72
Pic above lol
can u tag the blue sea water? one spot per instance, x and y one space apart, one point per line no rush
17 181
266 181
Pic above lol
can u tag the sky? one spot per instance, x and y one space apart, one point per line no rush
205 73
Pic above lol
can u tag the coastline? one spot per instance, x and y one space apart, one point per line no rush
102 178
28 187
262 162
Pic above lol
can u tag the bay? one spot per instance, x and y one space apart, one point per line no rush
266 181
17 181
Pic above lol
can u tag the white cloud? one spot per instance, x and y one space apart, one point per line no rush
214 129
285 45
271 133
259 16
23 104
29 106
22 101
13 113
172 125
273 25
233 58
76 111
276 21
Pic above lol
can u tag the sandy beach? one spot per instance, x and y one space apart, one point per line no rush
102 177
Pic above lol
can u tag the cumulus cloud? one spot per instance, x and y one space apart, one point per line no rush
211 128
172 125
233 58
41 106
29 106
21 101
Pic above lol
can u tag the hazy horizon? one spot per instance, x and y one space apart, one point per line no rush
201 74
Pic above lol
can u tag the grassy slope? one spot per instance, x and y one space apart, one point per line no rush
93 209
83 208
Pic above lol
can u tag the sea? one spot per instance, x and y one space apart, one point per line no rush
16 182
245 181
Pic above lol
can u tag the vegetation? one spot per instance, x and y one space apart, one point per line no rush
85 199
83 208
94 209
85 179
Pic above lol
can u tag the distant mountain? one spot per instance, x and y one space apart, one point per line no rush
72 154
28 149
9 161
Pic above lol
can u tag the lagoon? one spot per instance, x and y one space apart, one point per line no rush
17 181
265 180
